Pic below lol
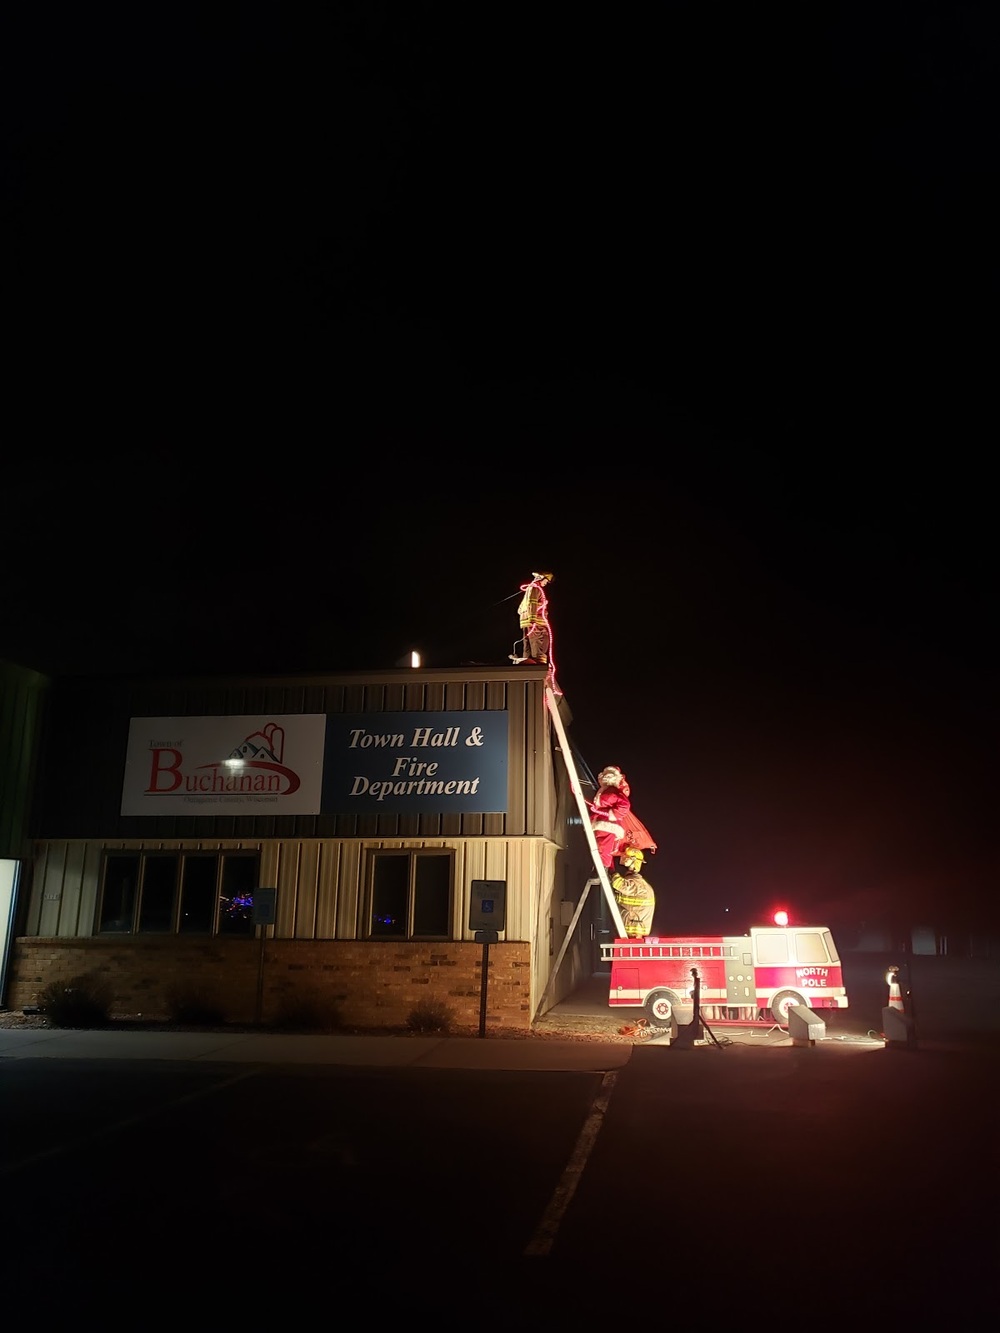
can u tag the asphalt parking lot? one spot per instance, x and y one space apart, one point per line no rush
843 1179
744 1178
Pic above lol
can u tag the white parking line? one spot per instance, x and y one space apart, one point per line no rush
543 1239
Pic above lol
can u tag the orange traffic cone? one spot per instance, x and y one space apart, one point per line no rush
895 994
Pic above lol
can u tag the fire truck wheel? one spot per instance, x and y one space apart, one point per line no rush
781 1004
660 1008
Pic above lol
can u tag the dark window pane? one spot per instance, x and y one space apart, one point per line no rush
239 879
121 877
390 879
432 895
159 888
198 894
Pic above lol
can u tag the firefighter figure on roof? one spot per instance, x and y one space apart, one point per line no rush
535 643
634 895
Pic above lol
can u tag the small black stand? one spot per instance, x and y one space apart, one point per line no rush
263 915
696 1020
486 938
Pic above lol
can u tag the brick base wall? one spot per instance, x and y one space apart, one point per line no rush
341 982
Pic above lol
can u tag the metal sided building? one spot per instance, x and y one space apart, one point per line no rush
348 848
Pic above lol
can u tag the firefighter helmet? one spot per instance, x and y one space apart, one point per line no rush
632 859
545 574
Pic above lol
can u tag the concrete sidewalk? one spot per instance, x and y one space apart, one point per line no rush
429 1052
277 1048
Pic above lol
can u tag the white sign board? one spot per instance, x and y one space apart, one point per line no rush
259 765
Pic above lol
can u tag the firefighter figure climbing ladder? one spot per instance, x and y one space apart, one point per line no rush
574 782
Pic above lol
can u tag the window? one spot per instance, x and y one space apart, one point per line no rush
772 948
159 893
239 879
202 893
410 894
198 895
810 949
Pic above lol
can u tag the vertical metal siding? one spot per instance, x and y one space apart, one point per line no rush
286 913
23 706
517 789
43 855
320 889
308 891
349 890
92 718
328 891
71 908
50 903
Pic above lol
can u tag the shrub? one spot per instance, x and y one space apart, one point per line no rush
194 1007
82 1002
430 1016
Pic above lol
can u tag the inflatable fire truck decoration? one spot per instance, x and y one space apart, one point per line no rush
741 978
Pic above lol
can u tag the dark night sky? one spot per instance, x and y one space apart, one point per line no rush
327 331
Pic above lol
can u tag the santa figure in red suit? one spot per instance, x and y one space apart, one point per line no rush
606 813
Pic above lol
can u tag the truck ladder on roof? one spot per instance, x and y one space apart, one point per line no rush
574 782
683 949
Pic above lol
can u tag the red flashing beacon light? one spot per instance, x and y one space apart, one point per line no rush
780 917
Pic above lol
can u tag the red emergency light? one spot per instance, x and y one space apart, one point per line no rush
780 918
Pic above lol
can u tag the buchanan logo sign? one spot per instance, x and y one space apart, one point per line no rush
224 765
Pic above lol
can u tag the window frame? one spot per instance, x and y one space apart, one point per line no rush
185 893
415 858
